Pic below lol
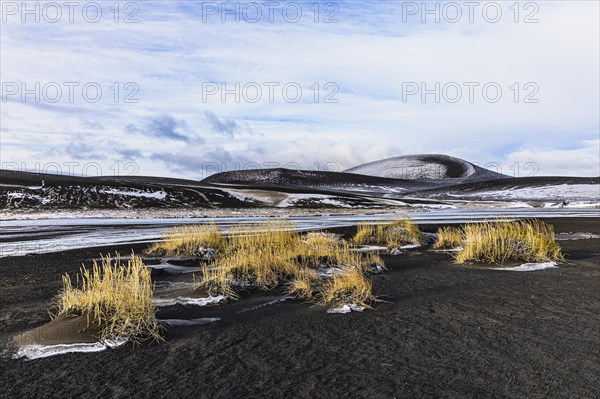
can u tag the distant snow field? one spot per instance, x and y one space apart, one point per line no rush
560 192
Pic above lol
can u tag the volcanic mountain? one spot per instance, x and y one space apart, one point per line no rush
426 167
411 180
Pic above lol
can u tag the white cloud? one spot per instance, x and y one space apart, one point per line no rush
369 55
580 161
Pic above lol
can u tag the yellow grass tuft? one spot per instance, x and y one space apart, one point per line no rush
448 238
257 255
304 284
394 234
186 240
116 297
499 242
320 243
349 286
273 253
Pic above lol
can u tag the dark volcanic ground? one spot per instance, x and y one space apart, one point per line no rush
445 331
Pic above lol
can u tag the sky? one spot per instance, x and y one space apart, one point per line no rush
187 89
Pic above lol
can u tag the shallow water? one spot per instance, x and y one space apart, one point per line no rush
21 237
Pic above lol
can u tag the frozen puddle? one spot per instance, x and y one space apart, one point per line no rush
191 322
189 301
31 352
529 267
346 309
56 232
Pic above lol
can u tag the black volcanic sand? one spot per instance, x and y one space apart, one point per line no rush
444 331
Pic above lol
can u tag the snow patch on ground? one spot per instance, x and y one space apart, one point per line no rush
410 246
161 302
336 203
293 199
432 206
368 248
528 267
519 204
576 236
253 196
347 308
328 272
40 351
457 249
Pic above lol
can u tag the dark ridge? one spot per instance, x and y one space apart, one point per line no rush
19 177
280 177
44 191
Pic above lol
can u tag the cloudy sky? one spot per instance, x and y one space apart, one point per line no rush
188 88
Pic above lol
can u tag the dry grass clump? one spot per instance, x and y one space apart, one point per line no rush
188 240
257 255
499 242
394 234
319 244
262 254
349 286
448 238
116 297
304 285
270 254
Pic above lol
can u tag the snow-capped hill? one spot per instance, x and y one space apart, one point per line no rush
295 179
425 167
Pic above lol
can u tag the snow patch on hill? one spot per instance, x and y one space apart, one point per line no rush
558 192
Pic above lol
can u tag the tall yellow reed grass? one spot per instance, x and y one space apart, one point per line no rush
394 234
117 297
499 242
273 253
187 240
448 238
348 286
